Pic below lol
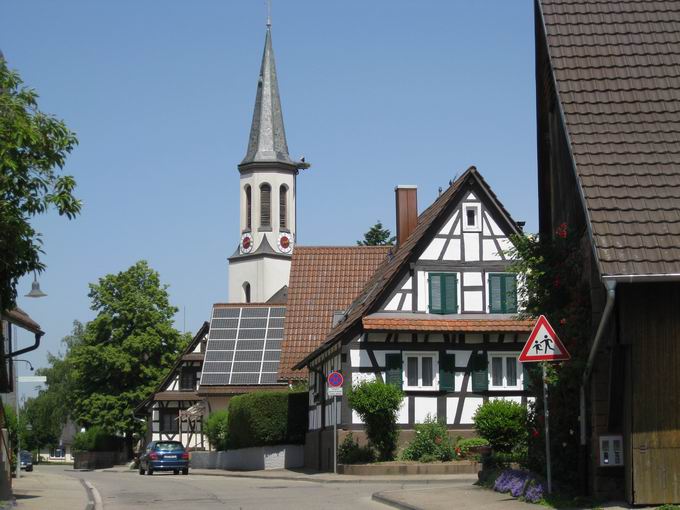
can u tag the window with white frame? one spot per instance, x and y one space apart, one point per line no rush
472 217
421 371
504 372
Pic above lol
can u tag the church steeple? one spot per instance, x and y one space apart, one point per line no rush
268 183
267 142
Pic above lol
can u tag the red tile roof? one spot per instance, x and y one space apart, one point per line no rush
447 325
617 77
322 280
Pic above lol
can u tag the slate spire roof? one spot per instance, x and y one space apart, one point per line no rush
267 143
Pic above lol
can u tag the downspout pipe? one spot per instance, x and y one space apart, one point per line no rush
30 348
608 307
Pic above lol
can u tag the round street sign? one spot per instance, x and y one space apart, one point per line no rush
335 379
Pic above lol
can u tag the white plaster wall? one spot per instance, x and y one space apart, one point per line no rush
452 250
472 279
266 277
471 241
470 408
433 250
424 407
490 252
473 301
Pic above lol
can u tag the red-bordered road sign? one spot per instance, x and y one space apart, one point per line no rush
335 379
543 344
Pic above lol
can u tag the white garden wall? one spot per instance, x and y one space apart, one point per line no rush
251 459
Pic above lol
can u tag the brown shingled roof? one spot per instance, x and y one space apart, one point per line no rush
429 221
448 325
322 280
20 318
617 76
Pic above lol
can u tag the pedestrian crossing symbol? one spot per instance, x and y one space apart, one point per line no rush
543 344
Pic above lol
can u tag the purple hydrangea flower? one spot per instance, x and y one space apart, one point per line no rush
534 491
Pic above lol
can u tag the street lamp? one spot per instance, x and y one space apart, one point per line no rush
36 292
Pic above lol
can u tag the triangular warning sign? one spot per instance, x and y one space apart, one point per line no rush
543 344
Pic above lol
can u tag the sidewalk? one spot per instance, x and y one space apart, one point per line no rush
314 476
43 488
462 497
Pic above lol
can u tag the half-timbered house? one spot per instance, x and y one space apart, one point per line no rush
438 318
175 411
608 99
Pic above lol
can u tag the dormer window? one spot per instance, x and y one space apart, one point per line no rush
472 217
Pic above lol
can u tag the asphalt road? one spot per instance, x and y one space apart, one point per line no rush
129 491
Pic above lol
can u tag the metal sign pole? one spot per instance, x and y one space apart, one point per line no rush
546 414
335 435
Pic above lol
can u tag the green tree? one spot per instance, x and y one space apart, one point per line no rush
377 236
42 413
33 150
125 350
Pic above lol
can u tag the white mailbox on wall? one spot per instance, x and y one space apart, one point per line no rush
611 450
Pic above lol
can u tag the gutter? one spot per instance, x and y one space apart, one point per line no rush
639 278
609 306
30 348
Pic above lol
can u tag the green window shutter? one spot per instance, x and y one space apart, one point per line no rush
447 372
480 372
450 286
510 293
435 289
495 293
393 369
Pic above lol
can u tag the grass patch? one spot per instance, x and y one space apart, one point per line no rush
559 500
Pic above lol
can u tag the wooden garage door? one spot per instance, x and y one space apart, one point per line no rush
653 325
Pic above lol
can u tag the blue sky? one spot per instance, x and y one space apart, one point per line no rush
160 94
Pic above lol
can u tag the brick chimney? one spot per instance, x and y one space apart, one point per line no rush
407 211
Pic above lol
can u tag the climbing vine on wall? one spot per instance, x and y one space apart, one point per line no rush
554 275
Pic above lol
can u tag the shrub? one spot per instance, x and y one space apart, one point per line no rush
267 418
95 439
503 423
349 452
430 443
464 445
377 404
216 429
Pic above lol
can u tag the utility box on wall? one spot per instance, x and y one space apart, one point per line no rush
611 450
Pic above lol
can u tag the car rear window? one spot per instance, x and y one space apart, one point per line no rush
165 446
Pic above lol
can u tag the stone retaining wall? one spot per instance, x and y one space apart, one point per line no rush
411 468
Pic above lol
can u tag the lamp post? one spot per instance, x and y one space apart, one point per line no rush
16 402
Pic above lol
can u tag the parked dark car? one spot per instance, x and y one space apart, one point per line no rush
26 460
164 456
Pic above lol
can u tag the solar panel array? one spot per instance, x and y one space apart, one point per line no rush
244 346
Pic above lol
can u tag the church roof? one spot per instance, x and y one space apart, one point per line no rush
267 143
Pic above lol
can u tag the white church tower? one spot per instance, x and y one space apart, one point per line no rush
260 267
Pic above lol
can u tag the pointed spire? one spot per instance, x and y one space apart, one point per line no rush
267 143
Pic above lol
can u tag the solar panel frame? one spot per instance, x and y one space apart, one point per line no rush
244 346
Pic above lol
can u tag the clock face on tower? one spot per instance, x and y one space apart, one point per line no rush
285 242
246 243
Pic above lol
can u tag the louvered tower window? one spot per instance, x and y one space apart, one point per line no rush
249 208
283 206
265 205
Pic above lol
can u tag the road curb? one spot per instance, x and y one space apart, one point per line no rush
95 499
380 497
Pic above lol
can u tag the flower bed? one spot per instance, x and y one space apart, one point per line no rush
520 484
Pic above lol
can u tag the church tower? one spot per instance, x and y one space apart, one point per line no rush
261 265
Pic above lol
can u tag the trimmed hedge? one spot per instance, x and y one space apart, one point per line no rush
216 429
267 418
95 439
